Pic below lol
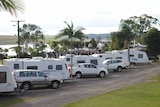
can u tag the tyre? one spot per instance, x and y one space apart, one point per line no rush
55 84
119 69
26 86
102 74
78 75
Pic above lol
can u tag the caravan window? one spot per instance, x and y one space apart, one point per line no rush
32 67
50 66
67 59
3 77
140 55
94 61
131 55
81 61
58 67
16 66
118 58
108 58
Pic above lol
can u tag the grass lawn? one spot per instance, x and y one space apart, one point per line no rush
141 95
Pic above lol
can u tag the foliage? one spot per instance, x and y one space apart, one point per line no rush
12 6
141 24
38 50
92 44
122 38
71 34
133 28
30 33
152 40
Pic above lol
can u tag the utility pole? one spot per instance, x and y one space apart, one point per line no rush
18 55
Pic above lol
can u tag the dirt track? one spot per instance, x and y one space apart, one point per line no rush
82 88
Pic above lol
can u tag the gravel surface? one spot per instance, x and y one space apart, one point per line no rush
73 90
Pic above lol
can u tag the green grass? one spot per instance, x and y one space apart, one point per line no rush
9 39
8 102
140 95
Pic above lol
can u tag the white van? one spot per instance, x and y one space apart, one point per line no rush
7 82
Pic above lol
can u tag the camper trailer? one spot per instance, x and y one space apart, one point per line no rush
76 59
7 82
55 67
136 56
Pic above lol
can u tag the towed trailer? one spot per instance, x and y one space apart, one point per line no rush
7 82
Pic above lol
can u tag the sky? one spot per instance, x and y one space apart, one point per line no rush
96 16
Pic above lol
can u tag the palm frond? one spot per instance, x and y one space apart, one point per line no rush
12 6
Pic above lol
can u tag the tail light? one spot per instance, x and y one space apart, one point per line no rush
16 79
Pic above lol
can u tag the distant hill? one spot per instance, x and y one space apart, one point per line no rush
96 36
8 40
12 39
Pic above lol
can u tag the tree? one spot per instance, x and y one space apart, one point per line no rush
11 6
141 24
92 43
71 33
151 39
31 33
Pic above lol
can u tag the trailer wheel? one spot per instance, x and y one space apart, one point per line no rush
102 74
78 75
55 84
26 86
119 69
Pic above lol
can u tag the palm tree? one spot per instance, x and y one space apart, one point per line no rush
71 33
11 6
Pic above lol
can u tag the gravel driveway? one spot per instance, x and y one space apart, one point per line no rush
73 90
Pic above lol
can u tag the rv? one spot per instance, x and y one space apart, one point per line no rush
50 66
136 56
7 82
76 59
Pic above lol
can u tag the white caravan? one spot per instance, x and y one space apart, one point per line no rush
50 66
136 56
7 82
76 59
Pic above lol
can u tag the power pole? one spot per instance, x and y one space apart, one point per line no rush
18 55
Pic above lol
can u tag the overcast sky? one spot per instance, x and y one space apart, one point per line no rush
96 16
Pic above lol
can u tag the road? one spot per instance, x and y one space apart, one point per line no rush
82 88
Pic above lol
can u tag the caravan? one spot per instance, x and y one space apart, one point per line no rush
50 66
7 82
136 56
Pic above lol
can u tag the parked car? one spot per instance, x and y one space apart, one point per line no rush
114 64
88 69
33 78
